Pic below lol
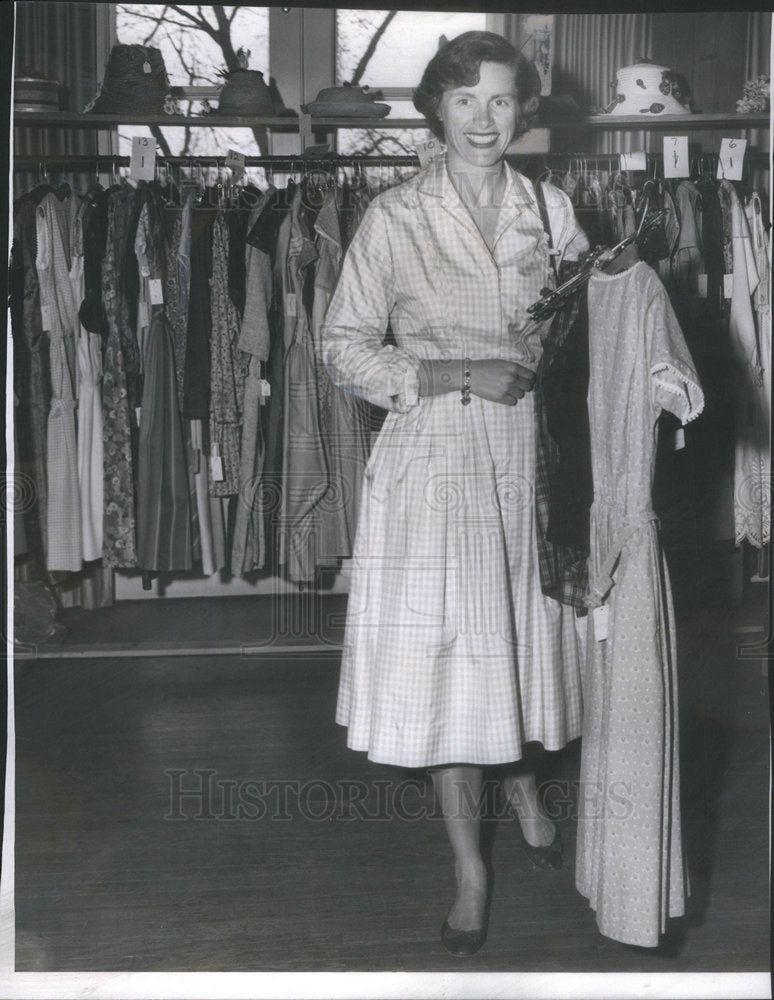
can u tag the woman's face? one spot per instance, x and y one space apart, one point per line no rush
480 121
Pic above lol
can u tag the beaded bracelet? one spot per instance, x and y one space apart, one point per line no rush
466 383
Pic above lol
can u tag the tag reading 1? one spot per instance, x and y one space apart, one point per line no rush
142 164
676 163
634 161
731 159
426 151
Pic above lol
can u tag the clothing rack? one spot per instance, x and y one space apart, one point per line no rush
32 163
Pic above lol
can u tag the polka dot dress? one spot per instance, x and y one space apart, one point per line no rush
629 860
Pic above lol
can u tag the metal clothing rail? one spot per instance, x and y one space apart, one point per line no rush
30 163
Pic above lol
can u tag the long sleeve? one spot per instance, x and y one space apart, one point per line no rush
353 333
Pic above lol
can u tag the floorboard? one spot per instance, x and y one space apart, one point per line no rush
115 872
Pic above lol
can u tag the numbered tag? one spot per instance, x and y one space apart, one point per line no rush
291 306
156 292
426 151
731 159
216 464
634 161
142 164
601 620
701 286
728 286
143 316
676 163
146 67
679 441
265 388
45 317
236 162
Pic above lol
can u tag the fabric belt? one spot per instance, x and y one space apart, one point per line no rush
601 577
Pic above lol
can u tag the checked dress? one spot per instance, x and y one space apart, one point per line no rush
452 653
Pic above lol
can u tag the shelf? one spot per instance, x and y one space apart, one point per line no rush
66 119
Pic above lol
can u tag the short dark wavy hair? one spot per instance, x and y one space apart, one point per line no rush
458 64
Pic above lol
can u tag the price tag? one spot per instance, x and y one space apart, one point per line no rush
676 162
216 464
728 286
291 307
236 162
601 619
45 317
426 151
142 164
142 314
701 286
146 67
156 292
265 388
731 159
679 442
634 161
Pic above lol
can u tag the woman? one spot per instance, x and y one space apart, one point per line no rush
453 657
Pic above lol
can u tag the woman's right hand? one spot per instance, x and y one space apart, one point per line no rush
500 381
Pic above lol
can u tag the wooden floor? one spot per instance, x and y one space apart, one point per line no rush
114 872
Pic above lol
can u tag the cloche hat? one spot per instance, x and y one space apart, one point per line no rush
347 101
648 89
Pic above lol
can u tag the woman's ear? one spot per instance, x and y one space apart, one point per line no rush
530 107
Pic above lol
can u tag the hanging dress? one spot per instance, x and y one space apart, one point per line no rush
629 856
452 652
59 308
119 362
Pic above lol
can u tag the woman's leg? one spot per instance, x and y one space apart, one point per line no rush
458 791
521 796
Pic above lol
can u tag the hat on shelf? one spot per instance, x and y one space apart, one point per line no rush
135 81
648 89
346 102
246 93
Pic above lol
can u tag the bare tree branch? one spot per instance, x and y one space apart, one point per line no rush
371 47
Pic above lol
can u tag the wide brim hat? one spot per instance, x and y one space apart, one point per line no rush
346 101
135 81
649 90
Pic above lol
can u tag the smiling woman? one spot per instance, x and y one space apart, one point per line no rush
454 659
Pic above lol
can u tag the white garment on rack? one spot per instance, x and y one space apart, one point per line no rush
90 437
751 471
54 224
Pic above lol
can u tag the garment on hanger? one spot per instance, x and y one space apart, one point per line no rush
227 370
32 367
59 307
630 864
752 504
119 384
163 492
304 468
90 435
248 550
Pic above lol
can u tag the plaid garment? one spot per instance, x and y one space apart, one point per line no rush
561 519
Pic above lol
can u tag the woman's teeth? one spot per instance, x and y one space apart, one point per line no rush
482 141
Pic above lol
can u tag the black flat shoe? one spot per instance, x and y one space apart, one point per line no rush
549 858
462 943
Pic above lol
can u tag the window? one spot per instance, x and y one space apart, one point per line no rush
388 50
193 41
